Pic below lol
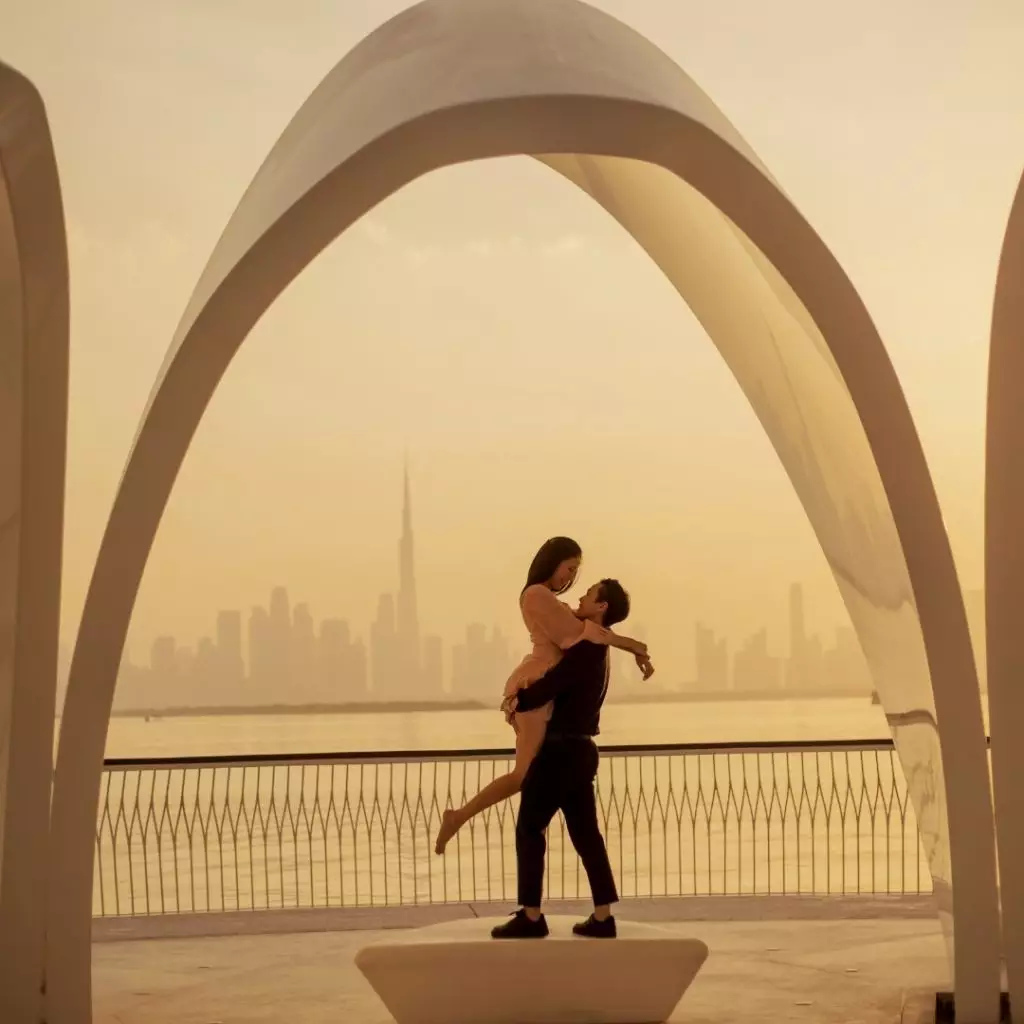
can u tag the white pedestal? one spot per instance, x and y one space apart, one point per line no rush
455 973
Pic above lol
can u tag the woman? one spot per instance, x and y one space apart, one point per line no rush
553 628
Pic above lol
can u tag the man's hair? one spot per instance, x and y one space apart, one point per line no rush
613 593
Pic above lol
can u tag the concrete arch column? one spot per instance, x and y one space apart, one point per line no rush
33 433
1004 585
449 81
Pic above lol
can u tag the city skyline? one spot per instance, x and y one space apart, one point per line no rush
284 656
291 663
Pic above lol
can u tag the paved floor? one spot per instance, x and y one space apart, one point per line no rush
812 971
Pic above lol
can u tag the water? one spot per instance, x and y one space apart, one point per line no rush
351 834
684 722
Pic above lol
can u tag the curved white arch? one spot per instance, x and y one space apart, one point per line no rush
449 81
1004 584
33 433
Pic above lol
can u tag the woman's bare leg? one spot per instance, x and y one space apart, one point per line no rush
530 729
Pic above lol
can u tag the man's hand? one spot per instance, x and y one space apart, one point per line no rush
508 707
638 649
644 663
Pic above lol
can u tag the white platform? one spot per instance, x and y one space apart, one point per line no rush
455 973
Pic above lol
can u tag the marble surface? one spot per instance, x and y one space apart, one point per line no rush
455 973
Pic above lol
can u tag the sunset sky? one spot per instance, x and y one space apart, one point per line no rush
494 324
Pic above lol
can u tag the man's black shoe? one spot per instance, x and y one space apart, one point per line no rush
594 929
519 926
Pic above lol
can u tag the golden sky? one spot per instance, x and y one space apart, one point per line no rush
541 374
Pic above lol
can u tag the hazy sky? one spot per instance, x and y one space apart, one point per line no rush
542 375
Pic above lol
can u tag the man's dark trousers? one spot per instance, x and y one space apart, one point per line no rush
561 778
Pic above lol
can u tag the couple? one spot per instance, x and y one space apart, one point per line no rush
553 700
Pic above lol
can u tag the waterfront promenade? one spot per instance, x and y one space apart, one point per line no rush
830 960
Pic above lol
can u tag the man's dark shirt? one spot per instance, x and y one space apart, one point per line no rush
577 685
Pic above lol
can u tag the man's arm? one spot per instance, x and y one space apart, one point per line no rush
573 668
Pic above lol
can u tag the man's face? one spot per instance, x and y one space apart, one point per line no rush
591 606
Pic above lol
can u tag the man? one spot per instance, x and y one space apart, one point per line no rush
562 775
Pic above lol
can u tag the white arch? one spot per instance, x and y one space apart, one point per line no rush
1004 584
449 81
33 432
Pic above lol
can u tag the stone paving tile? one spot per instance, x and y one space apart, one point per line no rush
811 972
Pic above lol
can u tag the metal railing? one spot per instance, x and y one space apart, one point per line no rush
263 832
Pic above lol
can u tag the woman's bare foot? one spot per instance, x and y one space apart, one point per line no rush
450 824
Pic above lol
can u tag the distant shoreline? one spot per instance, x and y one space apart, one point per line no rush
408 707
727 696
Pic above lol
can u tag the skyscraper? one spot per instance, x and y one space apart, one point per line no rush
433 668
229 650
360 676
279 641
395 645
712 661
184 667
383 646
753 667
206 681
260 658
162 660
332 659
796 669
302 665
480 666
407 626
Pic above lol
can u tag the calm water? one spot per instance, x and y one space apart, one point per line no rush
724 722
346 834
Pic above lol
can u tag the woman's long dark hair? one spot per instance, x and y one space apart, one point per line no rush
551 555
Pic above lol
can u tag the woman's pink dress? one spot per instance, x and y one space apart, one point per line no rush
553 628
